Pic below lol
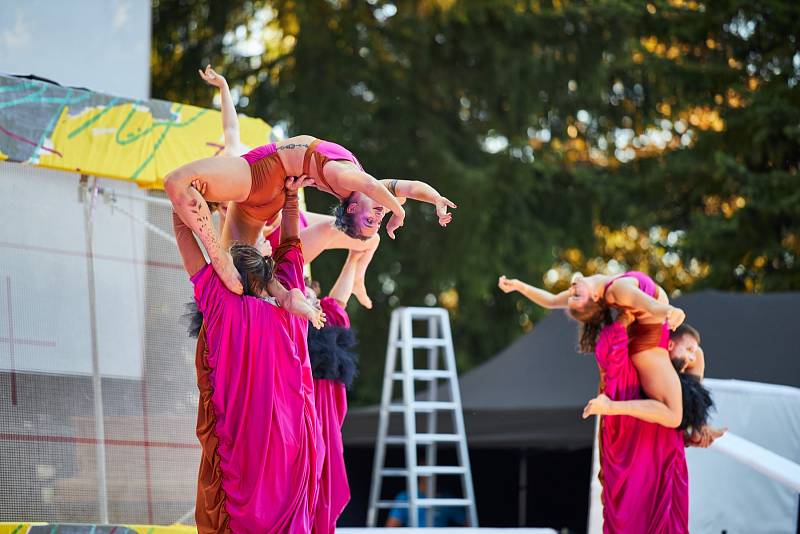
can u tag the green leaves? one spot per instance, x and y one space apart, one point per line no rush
559 128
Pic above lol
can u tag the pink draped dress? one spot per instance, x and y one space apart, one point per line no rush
268 448
642 465
331 402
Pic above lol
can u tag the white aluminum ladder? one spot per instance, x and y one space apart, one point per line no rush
438 342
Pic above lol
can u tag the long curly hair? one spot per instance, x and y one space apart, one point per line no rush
256 270
697 402
593 316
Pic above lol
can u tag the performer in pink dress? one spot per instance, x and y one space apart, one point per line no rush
334 367
642 465
257 425
591 299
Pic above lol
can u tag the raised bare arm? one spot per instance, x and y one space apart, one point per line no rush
343 287
658 378
647 410
230 120
416 190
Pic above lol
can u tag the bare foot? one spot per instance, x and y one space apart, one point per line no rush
297 304
317 317
360 292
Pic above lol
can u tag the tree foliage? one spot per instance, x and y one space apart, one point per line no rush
573 135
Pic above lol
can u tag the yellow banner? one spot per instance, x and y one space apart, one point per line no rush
80 131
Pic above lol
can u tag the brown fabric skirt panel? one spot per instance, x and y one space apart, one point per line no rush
210 514
267 193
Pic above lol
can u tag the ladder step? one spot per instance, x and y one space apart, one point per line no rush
422 343
418 311
424 375
437 438
424 503
423 406
424 470
424 438
435 405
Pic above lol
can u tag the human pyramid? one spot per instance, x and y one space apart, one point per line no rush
272 391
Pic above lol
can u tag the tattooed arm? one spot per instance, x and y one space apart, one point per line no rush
193 210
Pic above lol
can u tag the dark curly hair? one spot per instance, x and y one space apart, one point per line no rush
346 222
593 316
697 402
256 270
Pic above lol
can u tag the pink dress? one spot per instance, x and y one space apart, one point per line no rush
642 465
331 402
269 449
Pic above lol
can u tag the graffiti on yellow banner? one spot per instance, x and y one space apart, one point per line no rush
77 130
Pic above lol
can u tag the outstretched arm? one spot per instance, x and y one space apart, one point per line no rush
543 298
422 192
660 383
192 256
665 407
230 120
646 409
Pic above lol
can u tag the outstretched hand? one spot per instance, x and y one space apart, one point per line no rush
263 245
316 317
703 437
507 285
201 186
599 405
211 77
675 317
442 204
395 222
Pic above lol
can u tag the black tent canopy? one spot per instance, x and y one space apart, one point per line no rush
531 394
